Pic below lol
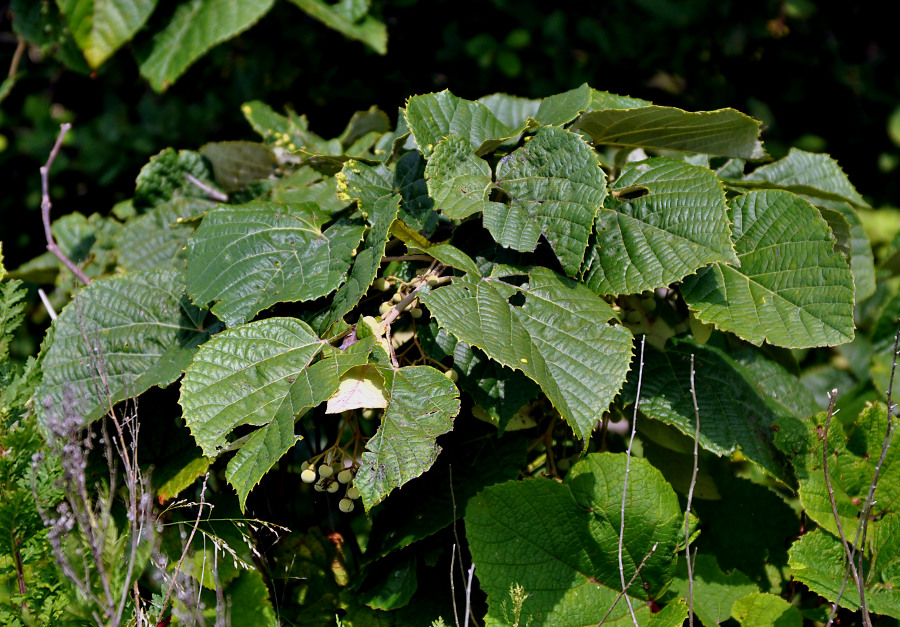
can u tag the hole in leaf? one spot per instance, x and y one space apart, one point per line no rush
630 193
517 299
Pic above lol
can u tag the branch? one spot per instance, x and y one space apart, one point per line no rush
687 513
637 402
46 205
633 577
213 193
848 552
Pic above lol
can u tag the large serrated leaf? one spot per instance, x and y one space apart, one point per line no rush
100 28
559 541
725 132
249 257
236 164
157 238
818 560
854 448
125 334
554 110
558 337
555 187
678 223
290 132
351 19
458 181
602 100
195 28
715 592
166 174
792 289
421 407
242 376
308 388
809 174
732 414
434 116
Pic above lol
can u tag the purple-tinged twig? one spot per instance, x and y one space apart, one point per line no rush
46 205
213 193
687 513
637 402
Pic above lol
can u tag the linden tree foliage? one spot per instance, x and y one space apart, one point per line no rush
452 310
99 28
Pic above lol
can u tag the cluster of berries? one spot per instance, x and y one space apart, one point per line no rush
326 478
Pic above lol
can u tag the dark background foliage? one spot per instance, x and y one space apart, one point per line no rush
809 71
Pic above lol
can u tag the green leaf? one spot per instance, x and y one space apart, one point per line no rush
307 185
166 174
766 610
499 391
809 174
249 600
157 238
100 28
236 164
791 289
395 588
195 28
560 542
715 591
365 185
421 407
460 472
725 132
817 559
862 262
601 100
450 255
677 223
458 181
555 186
854 448
249 257
363 123
732 414
434 116
290 132
128 332
554 110
351 19
558 337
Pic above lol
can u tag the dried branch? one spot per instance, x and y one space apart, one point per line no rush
637 402
46 206
848 550
687 513
213 193
631 581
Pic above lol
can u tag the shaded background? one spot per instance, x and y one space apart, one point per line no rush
823 78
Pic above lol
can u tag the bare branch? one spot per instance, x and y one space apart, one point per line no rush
46 206
687 513
47 304
637 402
633 578
848 551
213 193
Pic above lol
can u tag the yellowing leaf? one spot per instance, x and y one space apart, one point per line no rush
360 388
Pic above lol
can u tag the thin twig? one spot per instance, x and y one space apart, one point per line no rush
687 513
456 547
213 193
17 57
47 304
453 586
637 402
187 545
848 552
46 206
469 595
633 578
